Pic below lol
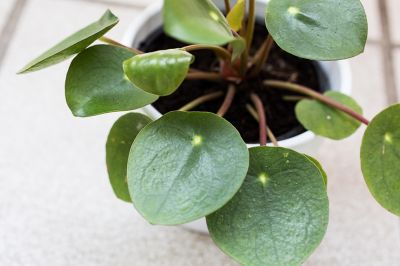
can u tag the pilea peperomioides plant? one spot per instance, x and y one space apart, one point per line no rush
263 205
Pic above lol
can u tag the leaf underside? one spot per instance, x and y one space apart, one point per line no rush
74 44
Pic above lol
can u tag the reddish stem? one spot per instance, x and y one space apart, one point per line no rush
261 116
227 101
317 96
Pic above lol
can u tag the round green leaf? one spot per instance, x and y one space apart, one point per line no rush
119 142
74 44
159 73
280 214
184 166
380 157
318 29
326 121
96 83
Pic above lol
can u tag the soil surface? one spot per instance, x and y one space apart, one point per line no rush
280 65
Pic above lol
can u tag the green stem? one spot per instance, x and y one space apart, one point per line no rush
115 43
211 76
294 98
251 21
220 51
262 55
202 99
270 134
261 116
227 101
317 96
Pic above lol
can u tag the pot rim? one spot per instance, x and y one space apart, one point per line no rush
343 67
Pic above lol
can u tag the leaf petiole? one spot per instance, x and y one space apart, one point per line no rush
317 96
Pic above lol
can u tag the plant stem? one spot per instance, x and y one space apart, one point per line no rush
220 51
294 98
227 6
317 96
262 55
227 101
202 99
254 114
211 76
261 116
115 43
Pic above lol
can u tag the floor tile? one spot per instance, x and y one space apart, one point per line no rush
394 19
5 8
397 69
55 201
373 16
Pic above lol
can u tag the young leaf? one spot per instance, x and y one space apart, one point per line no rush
96 83
184 166
119 142
74 44
380 157
198 22
318 29
280 214
236 15
159 73
326 121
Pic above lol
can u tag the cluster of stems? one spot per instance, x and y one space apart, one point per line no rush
244 68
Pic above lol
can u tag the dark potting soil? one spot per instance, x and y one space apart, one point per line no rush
280 65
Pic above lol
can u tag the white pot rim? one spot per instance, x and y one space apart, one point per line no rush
156 7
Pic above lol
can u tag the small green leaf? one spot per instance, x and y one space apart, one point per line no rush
318 29
380 157
119 142
326 121
280 214
96 83
198 22
236 15
184 166
238 47
74 44
321 169
159 73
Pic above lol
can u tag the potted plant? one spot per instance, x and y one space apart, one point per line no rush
264 205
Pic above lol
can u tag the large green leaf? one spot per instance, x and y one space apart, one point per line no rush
74 44
184 166
318 29
96 83
380 158
280 214
159 73
199 22
119 142
326 121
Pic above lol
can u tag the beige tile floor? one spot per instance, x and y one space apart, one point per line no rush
56 206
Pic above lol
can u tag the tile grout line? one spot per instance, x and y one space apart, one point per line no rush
388 63
9 28
111 3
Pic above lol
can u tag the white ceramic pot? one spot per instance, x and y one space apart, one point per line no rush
338 76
